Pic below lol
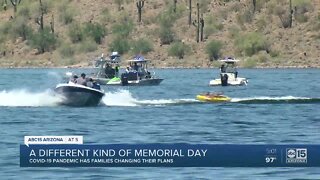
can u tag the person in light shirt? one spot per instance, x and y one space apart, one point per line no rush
82 80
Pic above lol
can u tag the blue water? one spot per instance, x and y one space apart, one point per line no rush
275 107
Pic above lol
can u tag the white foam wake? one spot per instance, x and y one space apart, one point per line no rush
125 98
161 102
267 98
16 98
119 98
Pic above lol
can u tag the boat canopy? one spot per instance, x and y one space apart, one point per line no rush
229 60
103 62
138 60
114 58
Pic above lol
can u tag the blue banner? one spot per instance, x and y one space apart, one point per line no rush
169 155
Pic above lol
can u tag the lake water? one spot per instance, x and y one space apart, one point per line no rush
278 106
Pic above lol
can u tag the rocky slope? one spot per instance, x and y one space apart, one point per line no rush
227 21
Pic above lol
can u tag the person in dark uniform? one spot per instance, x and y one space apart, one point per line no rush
135 66
222 68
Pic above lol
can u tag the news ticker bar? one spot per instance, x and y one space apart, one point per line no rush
169 155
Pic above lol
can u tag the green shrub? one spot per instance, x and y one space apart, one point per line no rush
251 43
260 4
120 45
203 5
19 28
245 17
261 23
274 53
119 3
236 7
250 63
233 31
166 20
46 6
283 14
168 17
105 11
44 40
105 16
166 35
301 18
301 7
2 39
123 29
262 57
213 49
180 11
66 61
302 3
5 28
66 14
211 26
179 50
88 45
94 30
271 6
24 11
66 50
209 30
142 46
3 49
75 33
224 13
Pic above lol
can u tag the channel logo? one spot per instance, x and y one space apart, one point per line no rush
296 155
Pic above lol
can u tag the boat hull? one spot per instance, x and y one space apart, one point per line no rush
145 82
105 81
142 82
208 98
237 82
79 95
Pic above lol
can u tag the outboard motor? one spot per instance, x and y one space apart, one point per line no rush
124 79
224 80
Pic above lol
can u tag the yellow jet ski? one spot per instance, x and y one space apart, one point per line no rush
212 97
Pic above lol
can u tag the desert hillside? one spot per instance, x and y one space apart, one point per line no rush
262 33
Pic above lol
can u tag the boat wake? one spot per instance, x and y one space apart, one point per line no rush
276 100
24 98
125 98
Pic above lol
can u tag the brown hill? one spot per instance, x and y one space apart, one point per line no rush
259 36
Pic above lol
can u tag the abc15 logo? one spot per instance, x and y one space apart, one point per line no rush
297 153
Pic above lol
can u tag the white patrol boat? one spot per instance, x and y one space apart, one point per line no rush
228 74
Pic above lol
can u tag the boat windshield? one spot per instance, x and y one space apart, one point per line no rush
108 68
139 66
230 68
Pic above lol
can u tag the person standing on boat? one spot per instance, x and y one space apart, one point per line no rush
235 72
136 67
222 68
102 57
116 70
